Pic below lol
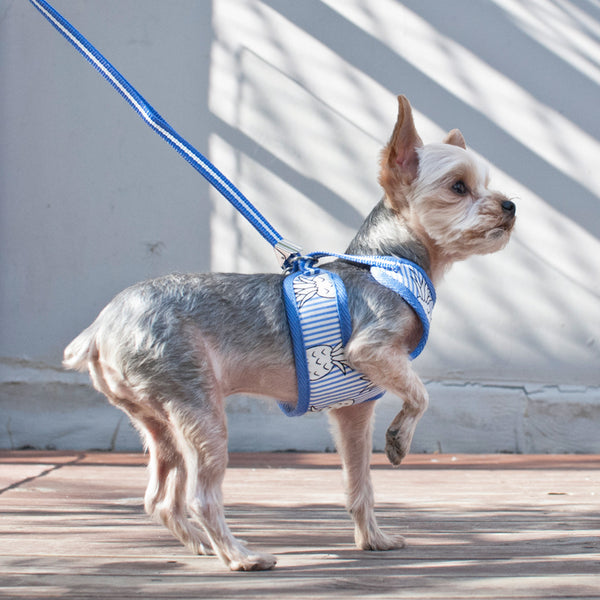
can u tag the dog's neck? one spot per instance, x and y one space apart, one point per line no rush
383 233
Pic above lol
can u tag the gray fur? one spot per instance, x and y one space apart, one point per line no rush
168 351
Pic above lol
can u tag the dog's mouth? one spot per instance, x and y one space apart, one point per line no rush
503 230
506 226
498 232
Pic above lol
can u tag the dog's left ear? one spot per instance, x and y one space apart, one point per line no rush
400 160
455 138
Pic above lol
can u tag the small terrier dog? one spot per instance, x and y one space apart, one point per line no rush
170 350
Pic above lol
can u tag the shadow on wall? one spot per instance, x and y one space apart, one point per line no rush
293 101
519 79
500 69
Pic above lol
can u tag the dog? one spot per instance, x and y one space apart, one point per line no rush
170 350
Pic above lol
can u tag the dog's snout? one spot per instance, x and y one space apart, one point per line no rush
509 207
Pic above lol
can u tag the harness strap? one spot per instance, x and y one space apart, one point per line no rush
316 306
398 268
391 263
400 275
164 130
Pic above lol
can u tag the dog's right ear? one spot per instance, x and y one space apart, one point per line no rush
455 138
399 160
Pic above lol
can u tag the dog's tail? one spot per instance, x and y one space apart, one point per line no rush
81 351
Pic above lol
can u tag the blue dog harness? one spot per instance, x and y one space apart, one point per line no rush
320 325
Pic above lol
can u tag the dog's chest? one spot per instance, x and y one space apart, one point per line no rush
320 326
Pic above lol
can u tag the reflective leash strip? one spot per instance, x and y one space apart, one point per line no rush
286 251
159 125
322 373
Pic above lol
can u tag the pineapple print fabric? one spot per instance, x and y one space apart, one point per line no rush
317 310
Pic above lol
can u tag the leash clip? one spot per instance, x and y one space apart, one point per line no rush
287 253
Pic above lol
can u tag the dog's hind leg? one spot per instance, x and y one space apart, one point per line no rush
165 493
202 436
352 426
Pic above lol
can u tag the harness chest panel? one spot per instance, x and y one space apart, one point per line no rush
320 325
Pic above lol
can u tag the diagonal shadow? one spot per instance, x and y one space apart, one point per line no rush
553 81
374 58
312 188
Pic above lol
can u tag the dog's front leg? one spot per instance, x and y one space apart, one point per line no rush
352 426
399 435
389 366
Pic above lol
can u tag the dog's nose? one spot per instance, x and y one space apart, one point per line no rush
509 207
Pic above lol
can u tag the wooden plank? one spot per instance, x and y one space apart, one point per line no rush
477 527
318 460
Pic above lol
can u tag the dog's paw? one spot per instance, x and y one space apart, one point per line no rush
196 540
253 562
395 449
380 542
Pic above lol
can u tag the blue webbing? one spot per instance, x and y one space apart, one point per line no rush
158 124
402 276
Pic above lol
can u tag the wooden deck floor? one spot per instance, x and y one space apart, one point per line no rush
72 526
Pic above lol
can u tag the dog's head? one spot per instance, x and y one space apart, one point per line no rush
441 191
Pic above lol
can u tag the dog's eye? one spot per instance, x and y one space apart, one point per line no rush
460 188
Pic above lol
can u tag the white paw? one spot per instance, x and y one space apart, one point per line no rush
253 562
379 541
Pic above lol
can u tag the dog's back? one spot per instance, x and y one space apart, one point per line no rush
159 330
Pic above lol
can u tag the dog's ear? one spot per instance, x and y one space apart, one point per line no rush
455 138
399 160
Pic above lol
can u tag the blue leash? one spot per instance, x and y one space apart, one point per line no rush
283 248
315 365
287 252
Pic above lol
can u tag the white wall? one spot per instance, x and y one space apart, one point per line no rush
293 101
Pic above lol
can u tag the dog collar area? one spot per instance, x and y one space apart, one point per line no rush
414 286
401 275
320 325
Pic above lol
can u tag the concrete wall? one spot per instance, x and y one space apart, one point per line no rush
293 101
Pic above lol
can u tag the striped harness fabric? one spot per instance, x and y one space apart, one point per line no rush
320 325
